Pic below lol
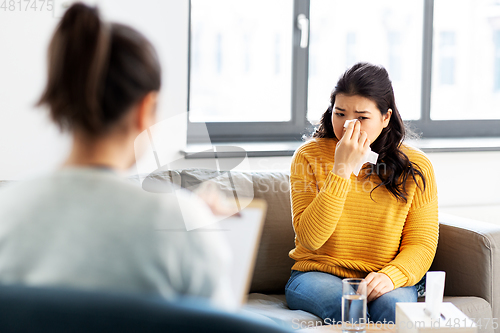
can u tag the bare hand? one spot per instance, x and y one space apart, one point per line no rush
350 150
377 284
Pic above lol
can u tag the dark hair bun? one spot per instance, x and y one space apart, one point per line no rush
96 70
85 59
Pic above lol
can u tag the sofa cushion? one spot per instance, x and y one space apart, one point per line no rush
273 266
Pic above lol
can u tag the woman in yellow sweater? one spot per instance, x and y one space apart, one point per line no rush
381 225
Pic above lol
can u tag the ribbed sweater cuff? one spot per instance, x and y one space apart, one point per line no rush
336 185
397 277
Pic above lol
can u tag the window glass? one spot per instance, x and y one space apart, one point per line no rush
386 32
466 60
241 60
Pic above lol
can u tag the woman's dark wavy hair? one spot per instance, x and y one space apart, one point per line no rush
393 166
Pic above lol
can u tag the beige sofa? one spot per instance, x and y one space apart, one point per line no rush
468 250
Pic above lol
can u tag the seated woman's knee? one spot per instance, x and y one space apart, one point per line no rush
408 294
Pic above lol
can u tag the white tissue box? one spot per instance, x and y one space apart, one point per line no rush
411 318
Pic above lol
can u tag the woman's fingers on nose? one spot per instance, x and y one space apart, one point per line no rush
367 143
362 137
349 131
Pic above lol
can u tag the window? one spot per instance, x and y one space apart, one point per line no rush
252 80
390 35
465 77
447 58
243 61
497 60
248 73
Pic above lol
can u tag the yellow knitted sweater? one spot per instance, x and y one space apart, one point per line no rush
340 230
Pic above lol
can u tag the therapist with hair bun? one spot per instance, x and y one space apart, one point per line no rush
83 225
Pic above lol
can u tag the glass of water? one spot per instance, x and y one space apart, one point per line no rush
353 305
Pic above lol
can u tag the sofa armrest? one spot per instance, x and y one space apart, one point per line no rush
468 251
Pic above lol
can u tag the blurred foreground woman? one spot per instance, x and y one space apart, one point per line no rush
83 225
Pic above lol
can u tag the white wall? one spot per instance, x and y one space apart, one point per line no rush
29 143
468 182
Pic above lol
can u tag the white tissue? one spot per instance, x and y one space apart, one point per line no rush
434 290
347 122
369 157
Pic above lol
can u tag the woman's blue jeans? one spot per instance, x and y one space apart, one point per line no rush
321 294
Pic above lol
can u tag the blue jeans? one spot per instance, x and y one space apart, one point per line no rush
321 294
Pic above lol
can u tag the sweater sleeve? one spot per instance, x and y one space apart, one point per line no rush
420 234
315 214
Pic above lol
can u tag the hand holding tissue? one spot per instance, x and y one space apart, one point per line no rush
369 157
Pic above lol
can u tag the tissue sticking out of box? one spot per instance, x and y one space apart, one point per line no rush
434 290
369 157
